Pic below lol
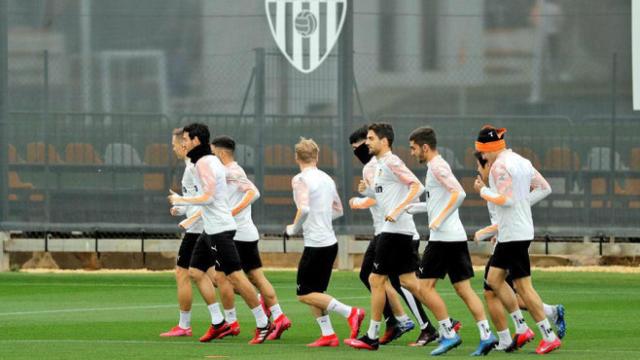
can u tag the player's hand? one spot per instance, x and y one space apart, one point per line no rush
352 202
478 184
362 186
390 218
176 211
493 240
183 224
433 227
476 236
289 231
174 198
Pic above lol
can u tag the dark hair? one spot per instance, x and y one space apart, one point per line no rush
359 135
224 142
201 131
383 131
480 158
424 135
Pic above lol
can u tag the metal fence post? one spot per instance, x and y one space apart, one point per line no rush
345 108
4 121
259 108
45 136
4 257
612 153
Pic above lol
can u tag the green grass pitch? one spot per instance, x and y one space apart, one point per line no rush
104 316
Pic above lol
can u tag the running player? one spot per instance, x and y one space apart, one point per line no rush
242 193
447 252
394 327
194 228
395 187
510 179
219 229
555 313
318 204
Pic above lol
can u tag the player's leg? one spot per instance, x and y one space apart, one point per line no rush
328 337
314 274
183 284
399 323
231 265
496 312
252 266
365 271
227 298
460 271
281 321
433 266
554 313
202 260
531 298
389 256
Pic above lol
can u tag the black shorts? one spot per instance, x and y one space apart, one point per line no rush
442 258
368 258
513 256
202 256
314 269
509 279
227 258
394 255
186 249
249 255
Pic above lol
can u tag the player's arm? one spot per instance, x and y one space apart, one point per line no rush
178 210
361 203
365 187
540 188
188 222
336 207
301 199
456 195
404 175
486 233
416 208
503 195
251 194
208 180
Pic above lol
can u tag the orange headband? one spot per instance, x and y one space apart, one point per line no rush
491 146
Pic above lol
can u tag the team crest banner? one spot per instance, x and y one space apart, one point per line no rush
306 30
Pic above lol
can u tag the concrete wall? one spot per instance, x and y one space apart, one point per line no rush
161 253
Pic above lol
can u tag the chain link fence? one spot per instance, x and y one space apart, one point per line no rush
95 88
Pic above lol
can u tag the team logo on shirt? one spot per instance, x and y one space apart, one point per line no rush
379 189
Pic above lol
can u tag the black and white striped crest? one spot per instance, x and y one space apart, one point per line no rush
306 30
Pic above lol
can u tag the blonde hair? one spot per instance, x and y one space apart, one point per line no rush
307 150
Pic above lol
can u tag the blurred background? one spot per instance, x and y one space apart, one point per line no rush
91 90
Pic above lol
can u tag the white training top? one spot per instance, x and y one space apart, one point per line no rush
511 179
216 211
444 197
191 188
377 213
238 184
391 184
316 196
